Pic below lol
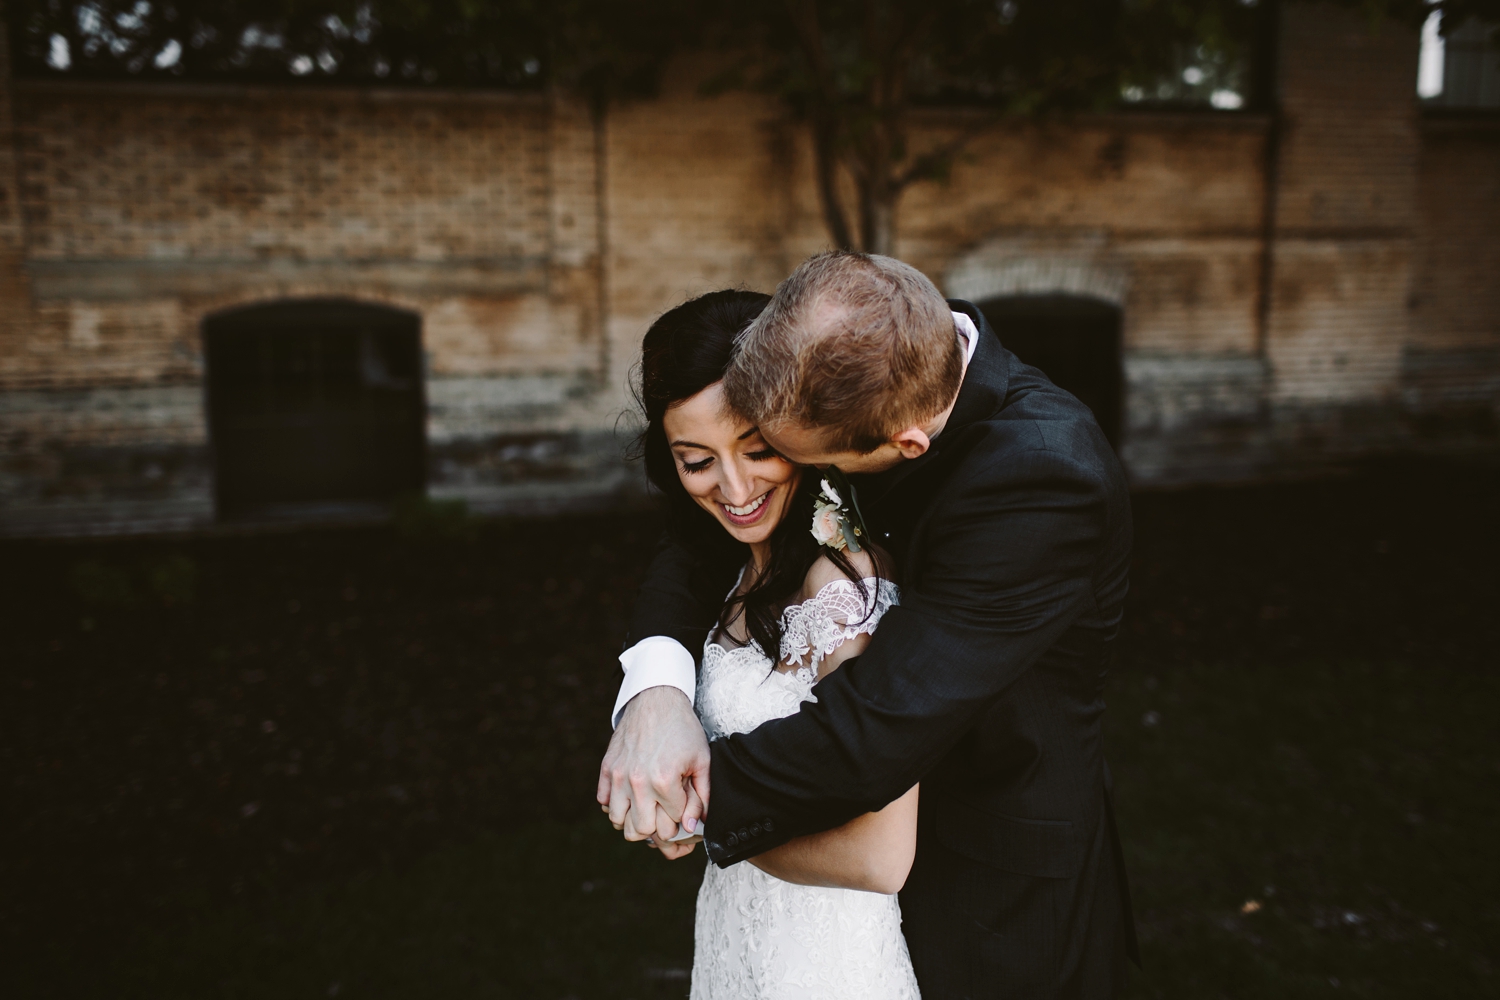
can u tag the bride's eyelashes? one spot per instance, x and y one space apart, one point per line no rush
765 454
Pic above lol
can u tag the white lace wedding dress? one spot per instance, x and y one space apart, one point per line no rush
755 936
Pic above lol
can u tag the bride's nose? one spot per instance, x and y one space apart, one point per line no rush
738 487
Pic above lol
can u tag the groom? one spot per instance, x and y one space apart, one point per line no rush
1009 521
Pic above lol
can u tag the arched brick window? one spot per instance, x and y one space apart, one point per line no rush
313 401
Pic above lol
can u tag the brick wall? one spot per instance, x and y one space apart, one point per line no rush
538 242
1451 370
147 208
1346 210
13 292
1161 214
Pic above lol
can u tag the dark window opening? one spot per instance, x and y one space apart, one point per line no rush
315 401
1459 70
1075 341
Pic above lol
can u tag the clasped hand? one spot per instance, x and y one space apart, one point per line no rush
653 781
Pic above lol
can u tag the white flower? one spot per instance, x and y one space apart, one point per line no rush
832 494
825 527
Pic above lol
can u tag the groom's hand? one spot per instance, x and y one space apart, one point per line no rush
656 756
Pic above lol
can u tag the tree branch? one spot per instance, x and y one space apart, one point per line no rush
804 16
825 124
934 163
826 162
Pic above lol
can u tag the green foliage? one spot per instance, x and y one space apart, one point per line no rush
596 45
407 41
1023 54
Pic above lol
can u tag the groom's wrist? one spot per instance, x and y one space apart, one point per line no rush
656 661
655 697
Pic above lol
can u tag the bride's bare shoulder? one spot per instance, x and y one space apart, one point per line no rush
824 571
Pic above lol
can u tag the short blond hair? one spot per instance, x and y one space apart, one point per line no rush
858 345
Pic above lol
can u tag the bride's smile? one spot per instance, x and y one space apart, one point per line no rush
727 467
748 515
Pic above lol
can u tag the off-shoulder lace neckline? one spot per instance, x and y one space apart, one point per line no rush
838 612
876 584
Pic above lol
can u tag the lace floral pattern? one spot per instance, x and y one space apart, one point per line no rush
757 937
837 613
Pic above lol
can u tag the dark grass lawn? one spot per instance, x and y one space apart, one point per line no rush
360 763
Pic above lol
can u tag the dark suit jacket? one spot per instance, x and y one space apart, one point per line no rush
1012 540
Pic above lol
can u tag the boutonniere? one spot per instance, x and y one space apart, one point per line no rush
837 522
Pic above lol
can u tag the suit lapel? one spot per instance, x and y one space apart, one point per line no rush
987 379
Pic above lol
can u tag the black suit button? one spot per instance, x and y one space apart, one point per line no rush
768 826
713 845
731 840
755 829
744 834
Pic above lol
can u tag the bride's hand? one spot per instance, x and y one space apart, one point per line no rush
681 845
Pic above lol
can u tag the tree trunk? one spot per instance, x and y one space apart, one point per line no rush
877 216
875 210
846 137
826 163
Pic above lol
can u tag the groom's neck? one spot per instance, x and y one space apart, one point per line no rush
935 426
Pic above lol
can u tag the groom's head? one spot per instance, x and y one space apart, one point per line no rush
855 362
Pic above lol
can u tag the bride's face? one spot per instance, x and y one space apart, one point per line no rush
727 467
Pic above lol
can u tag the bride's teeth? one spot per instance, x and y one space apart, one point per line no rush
748 509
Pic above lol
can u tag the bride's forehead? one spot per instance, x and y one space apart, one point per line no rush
706 413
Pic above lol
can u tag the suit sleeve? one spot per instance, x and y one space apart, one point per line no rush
678 597
1004 568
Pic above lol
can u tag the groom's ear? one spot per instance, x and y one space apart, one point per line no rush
912 442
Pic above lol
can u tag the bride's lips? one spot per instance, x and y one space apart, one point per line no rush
756 509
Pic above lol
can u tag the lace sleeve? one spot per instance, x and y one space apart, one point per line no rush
837 613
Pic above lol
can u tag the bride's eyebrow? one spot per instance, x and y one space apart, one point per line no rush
704 447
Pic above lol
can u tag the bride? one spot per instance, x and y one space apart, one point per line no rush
816 917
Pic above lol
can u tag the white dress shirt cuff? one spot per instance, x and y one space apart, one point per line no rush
656 661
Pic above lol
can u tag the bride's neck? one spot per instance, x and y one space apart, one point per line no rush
760 558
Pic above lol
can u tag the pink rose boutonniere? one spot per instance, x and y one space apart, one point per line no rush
835 523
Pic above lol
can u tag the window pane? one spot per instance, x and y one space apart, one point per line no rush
1461 70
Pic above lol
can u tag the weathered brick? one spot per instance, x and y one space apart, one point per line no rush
537 242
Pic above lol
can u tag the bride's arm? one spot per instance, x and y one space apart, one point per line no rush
872 852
